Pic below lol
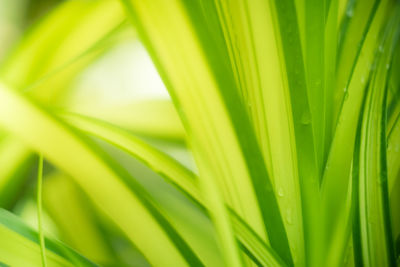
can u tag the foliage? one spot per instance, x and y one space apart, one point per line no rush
289 108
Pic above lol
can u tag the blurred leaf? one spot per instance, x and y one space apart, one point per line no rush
66 206
20 246
151 118
178 175
85 163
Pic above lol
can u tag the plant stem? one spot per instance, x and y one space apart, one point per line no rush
39 210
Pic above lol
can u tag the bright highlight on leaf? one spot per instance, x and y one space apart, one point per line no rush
277 142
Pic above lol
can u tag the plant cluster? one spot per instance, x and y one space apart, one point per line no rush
289 109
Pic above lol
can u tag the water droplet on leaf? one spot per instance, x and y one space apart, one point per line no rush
350 12
289 216
280 192
327 166
305 118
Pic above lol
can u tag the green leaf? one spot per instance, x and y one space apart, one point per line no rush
56 40
376 244
253 245
330 50
201 83
63 201
315 71
72 49
254 54
335 185
20 246
176 174
152 118
39 211
393 146
355 26
393 159
134 213
155 159
16 161
287 28
335 189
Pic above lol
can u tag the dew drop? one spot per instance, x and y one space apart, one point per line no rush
362 79
350 12
280 192
387 66
346 95
289 216
305 118
327 166
380 48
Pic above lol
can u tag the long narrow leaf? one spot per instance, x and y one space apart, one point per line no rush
203 85
20 246
177 174
137 217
